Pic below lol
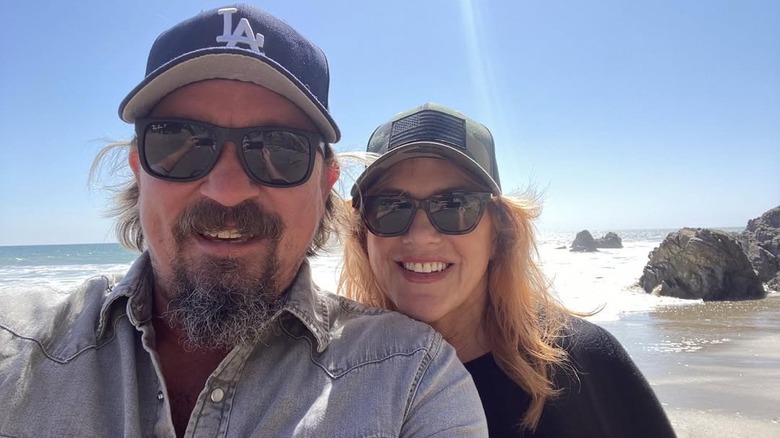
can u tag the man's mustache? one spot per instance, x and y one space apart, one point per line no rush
247 218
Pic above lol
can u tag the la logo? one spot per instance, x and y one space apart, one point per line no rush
242 34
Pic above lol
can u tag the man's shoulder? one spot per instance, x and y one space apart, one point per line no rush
31 303
350 311
355 322
44 316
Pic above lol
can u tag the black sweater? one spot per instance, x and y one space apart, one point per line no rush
608 397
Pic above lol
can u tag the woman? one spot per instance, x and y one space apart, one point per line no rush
433 237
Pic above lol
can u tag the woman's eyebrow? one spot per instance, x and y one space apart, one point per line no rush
389 191
386 191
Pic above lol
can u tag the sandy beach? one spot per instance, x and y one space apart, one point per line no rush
714 366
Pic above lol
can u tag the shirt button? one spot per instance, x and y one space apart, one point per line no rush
160 396
217 395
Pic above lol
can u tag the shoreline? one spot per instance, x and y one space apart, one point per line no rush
714 366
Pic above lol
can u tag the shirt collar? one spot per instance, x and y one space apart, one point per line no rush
135 289
310 306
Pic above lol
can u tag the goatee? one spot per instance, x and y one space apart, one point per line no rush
221 302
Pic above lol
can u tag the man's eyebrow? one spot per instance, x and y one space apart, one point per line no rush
462 188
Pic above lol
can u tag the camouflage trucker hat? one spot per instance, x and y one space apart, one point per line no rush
432 131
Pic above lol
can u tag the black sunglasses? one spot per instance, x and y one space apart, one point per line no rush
449 213
186 150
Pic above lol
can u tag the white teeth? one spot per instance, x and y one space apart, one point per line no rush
425 268
224 234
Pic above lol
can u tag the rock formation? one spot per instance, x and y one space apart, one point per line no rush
761 243
610 240
583 242
699 263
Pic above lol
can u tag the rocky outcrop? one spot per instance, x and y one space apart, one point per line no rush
610 240
583 242
699 263
761 243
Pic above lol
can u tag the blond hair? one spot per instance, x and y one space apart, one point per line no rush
112 161
523 319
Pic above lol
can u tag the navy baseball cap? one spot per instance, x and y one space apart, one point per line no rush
432 131
240 43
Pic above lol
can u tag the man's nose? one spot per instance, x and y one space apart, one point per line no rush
228 183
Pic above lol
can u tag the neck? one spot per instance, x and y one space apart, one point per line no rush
170 342
466 332
469 343
185 372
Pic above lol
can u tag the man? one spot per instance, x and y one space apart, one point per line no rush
217 329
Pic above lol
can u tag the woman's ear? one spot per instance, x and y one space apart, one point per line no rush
493 244
495 230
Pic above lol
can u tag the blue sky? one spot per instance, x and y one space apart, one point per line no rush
645 114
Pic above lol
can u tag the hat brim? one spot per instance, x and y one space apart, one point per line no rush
421 150
239 65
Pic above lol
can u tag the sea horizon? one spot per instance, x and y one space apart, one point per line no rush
540 232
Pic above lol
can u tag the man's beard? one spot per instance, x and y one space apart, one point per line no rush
222 302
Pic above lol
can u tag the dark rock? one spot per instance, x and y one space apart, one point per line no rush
774 284
761 243
699 263
561 247
583 242
610 240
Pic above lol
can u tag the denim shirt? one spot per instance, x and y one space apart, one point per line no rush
84 364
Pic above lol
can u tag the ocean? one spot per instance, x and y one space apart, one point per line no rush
584 282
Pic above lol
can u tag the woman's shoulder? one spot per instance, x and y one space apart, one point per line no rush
595 358
603 386
585 340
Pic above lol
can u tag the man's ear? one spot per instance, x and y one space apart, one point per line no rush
134 162
332 173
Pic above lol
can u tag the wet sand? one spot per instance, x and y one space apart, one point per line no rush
714 366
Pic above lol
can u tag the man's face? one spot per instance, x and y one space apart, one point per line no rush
223 234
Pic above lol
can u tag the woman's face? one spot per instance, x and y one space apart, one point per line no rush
436 278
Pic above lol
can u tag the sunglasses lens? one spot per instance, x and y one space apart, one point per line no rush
455 213
450 213
277 157
178 151
388 215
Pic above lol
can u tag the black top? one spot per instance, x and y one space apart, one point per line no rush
608 397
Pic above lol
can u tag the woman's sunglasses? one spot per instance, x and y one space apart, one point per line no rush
186 150
449 213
